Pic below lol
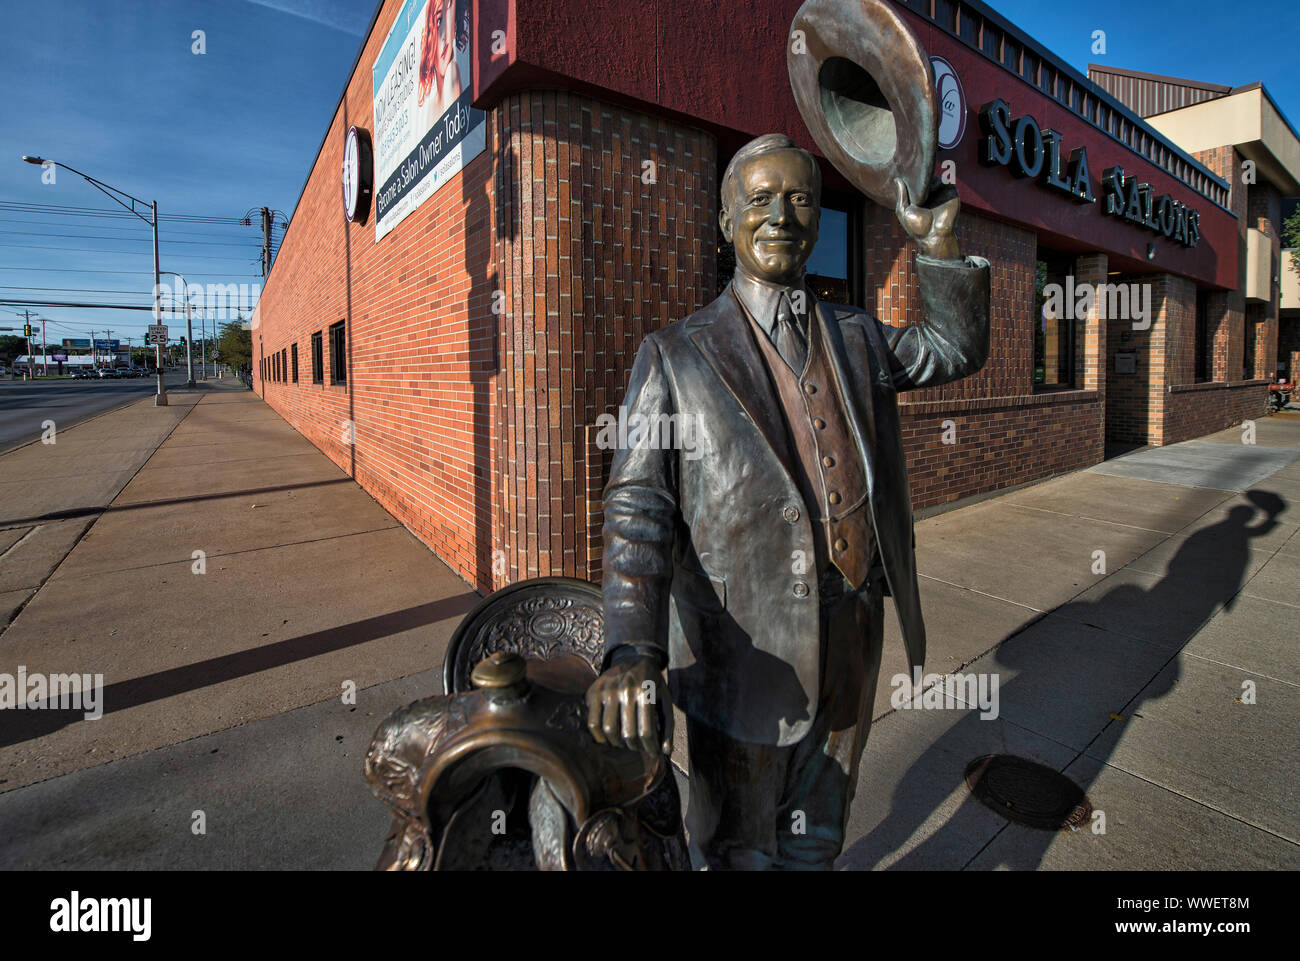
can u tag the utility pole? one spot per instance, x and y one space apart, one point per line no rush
45 352
27 331
266 241
112 357
92 350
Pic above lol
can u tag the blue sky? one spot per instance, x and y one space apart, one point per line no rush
113 89
1214 42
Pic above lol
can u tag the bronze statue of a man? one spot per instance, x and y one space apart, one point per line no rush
753 565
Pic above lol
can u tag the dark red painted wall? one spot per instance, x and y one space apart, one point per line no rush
722 66
996 191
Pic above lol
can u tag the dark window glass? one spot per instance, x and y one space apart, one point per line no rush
829 270
293 356
317 367
1248 369
1204 340
284 364
1054 323
338 357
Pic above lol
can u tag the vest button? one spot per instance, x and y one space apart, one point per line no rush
828 461
800 589
819 423
810 388
833 497
841 545
791 514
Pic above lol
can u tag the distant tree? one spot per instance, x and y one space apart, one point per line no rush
235 345
12 347
1291 238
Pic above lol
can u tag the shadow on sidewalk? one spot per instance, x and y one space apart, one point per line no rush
110 508
19 726
1207 572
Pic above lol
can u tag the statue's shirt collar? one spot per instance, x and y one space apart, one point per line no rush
761 298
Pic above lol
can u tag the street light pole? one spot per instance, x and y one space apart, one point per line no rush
189 330
160 400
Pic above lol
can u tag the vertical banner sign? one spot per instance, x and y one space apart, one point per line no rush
425 129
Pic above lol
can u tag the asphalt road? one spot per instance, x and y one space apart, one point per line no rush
25 405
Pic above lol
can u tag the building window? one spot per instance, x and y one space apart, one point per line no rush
317 367
834 270
1204 339
1054 323
293 356
338 359
1250 339
284 364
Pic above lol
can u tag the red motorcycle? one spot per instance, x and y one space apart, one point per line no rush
1279 395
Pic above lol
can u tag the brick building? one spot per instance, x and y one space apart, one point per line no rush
1252 330
535 210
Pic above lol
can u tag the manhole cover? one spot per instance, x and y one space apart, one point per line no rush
1027 793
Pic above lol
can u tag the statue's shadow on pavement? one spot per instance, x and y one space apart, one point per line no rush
1202 578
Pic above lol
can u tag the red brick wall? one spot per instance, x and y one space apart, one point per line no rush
421 342
593 257
469 408
1006 433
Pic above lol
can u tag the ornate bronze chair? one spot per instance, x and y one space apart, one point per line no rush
501 772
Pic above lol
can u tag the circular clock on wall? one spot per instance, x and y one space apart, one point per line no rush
358 175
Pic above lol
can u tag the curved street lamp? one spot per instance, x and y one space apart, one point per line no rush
160 399
189 330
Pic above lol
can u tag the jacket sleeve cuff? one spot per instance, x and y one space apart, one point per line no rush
956 263
627 652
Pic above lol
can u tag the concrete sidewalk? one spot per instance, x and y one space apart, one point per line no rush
305 583
223 688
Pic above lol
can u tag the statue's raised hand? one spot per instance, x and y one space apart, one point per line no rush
930 225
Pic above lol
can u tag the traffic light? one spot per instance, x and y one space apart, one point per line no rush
27 330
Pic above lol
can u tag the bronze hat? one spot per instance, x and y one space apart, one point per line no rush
866 91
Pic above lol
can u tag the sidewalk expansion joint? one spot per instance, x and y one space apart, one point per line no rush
247 550
85 530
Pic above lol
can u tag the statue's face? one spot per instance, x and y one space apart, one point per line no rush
773 217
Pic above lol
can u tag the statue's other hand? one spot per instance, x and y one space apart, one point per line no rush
628 707
931 225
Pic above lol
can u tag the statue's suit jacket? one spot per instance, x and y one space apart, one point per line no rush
708 542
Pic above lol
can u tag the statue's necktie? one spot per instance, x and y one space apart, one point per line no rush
789 336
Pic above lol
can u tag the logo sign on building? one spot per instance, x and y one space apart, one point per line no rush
425 130
952 103
1035 153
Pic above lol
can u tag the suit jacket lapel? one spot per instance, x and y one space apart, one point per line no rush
728 346
849 356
